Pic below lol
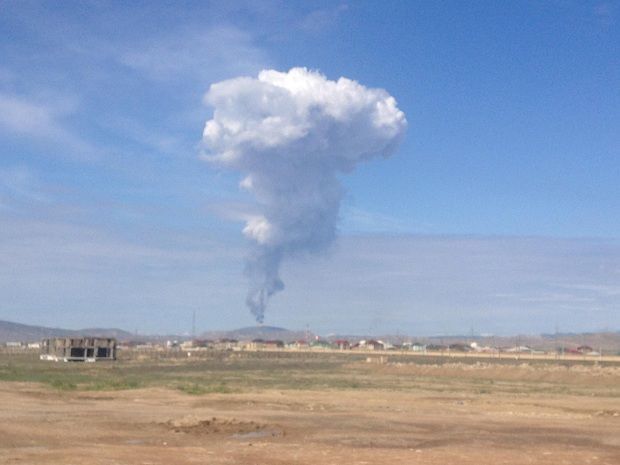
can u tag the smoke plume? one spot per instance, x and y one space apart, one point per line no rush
291 134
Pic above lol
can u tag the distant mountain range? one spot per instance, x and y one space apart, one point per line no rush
606 340
28 333
258 332
10 331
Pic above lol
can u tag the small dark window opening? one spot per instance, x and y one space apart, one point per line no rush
77 352
102 352
90 352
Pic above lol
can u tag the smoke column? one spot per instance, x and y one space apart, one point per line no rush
291 134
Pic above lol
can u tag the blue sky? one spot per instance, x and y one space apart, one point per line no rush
499 211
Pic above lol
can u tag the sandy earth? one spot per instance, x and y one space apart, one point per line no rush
159 426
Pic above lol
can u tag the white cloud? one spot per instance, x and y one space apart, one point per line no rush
291 134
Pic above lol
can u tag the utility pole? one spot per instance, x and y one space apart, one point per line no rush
194 324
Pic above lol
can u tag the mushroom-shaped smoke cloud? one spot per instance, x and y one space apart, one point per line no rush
291 134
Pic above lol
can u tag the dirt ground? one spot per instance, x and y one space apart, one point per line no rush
426 425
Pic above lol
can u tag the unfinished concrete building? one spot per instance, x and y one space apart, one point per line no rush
78 349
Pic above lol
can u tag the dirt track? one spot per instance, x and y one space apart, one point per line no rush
379 426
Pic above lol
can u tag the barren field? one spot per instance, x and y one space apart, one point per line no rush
297 408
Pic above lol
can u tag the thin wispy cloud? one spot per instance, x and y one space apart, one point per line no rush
40 122
233 211
434 284
203 56
76 272
320 20
20 184
611 290
22 116
161 142
184 62
407 283
359 220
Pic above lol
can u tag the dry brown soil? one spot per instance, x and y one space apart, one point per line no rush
40 425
